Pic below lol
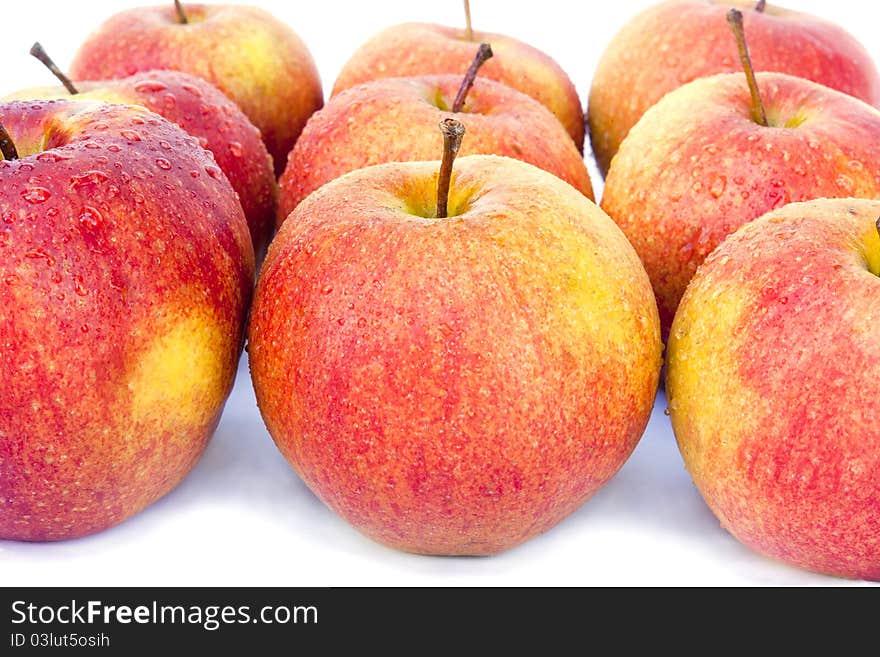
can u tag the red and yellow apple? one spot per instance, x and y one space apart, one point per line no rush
205 113
253 58
125 275
698 166
414 49
454 385
675 42
773 381
391 121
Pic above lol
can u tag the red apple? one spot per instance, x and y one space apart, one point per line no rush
205 113
253 58
125 275
678 41
774 381
453 385
698 166
390 120
414 49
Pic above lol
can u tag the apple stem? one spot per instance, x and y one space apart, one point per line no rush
7 147
484 53
760 6
181 14
38 52
453 131
469 29
735 19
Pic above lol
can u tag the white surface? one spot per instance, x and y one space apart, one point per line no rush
244 518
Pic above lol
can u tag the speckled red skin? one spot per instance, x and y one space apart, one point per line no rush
789 460
412 49
676 42
99 243
697 167
453 386
395 120
253 58
205 113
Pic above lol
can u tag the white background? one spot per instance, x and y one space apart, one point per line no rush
244 518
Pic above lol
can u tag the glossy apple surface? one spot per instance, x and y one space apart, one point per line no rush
457 385
773 381
413 49
206 114
697 167
125 275
675 42
253 58
394 121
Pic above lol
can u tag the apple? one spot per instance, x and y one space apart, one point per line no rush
252 57
205 113
125 274
772 381
678 41
415 49
453 384
385 120
704 161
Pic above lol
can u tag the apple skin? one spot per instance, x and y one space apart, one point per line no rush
773 377
394 120
253 58
415 49
675 42
125 274
697 167
458 385
206 114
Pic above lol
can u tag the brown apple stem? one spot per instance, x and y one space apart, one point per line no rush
484 53
469 29
760 6
38 52
453 131
7 146
735 19
181 14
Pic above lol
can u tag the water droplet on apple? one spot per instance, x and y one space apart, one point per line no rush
191 88
164 144
92 146
362 322
719 184
150 86
162 163
130 135
214 172
36 195
114 148
90 217
88 178
12 279
341 321
7 217
195 174
40 254
327 289
808 280
235 148
845 183
79 286
203 142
